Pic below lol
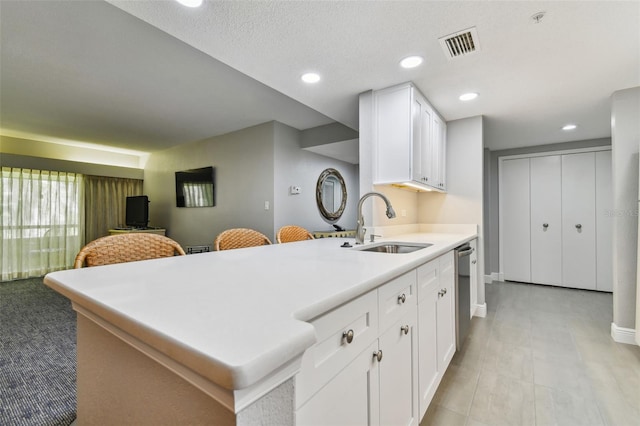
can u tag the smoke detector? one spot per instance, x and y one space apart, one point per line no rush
537 17
460 43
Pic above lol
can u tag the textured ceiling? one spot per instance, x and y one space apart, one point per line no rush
109 71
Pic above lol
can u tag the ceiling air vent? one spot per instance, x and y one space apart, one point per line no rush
460 43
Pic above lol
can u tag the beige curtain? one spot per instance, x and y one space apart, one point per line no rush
105 203
42 221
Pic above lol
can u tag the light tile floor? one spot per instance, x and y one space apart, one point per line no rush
542 356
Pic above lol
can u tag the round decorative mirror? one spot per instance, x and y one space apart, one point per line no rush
331 194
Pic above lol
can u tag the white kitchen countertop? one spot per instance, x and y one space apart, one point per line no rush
236 316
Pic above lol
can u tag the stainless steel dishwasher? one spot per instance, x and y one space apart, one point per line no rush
463 292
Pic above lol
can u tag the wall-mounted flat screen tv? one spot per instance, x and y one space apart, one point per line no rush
137 211
196 188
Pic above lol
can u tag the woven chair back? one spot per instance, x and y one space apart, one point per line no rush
240 238
123 248
291 233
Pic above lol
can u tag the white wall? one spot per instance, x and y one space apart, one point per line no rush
243 163
625 138
296 166
252 165
463 202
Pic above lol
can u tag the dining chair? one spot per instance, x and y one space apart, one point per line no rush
291 233
121 248
239 238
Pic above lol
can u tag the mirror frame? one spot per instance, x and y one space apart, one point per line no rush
332 216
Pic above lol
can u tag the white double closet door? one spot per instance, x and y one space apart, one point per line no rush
554 223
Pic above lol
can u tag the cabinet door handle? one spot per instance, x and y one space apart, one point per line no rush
348 336
402 298
473 261
378 355
444 291
545 225
405 329
578 226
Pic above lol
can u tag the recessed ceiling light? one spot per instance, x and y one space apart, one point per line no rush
468 96
310 77
411 61
190 3
569 127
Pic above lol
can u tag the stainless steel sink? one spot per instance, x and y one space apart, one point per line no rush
395 247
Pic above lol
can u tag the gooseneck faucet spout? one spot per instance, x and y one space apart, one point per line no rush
360 231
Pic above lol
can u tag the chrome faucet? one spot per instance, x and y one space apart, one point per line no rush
360 231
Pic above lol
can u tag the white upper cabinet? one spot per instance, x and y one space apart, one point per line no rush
439 152
409 139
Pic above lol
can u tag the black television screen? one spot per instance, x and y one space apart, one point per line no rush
195 188
137 211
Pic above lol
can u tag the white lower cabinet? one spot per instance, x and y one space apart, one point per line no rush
350 398
473 277
378 385
398 373
379 358
436 325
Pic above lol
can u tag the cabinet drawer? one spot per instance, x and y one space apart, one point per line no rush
396 298
332 351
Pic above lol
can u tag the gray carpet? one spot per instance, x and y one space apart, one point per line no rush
37 355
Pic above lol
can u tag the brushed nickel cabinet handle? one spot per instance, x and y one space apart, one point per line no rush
348 336
405 329
402 298
378 355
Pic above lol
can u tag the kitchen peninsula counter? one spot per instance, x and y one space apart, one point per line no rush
232 324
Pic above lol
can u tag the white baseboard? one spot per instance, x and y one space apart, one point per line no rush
494 276
480 310
623 335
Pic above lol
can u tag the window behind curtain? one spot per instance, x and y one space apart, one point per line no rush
198 194
42 221
105 203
